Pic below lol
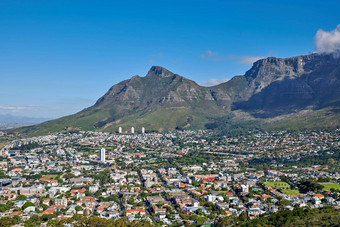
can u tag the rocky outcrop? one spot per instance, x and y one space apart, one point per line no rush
280 86
162 99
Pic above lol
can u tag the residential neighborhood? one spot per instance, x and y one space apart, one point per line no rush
173 179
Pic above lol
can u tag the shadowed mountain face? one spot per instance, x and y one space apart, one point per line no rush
281 86
163 100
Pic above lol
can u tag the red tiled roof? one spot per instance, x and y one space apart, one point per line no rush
15 213
266 196
60 206
74 191
318 195
48 211
135 210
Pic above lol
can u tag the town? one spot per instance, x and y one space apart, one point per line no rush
173 178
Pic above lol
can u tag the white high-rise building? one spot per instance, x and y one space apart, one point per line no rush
132 130
102 155
120 130
143 130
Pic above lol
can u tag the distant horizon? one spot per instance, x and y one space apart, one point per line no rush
58 58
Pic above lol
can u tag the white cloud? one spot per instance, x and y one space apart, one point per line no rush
248 60
328 42
212 82
209 54
14 108
5 110
243 60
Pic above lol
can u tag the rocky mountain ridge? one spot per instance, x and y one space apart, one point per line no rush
273 89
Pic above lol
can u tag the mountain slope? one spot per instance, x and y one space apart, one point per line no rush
274 92
281 86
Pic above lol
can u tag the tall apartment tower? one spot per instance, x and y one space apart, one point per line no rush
102 155
132 130
143 130
120 130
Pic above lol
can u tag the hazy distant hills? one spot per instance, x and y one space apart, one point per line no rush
10 121
297 92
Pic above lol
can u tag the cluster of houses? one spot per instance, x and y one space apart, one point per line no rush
63 175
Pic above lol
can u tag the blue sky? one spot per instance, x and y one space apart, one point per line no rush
58 57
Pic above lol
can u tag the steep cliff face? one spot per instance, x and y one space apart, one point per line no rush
281 86
158 87
163 100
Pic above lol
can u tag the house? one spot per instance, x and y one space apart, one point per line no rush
49 211
93 188
71 211
319 196
155 199
222 206
244 188
130 212
160 211
316 201
87 200
10 196
194 209
50 182
78 192
29 209
16 213
31 191
15 172
214 198
62 202
254 212
208 177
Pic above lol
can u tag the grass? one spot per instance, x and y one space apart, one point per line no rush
50 176
85 152
277 184
3 144
328 186
290 192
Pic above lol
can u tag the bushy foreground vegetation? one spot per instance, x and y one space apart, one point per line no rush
326 216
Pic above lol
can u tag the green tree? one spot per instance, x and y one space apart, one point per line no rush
7 221
44 206
309 185
195 183
2 175
21 197
78 208
243 217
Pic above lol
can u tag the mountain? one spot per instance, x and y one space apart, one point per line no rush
279 86
297 92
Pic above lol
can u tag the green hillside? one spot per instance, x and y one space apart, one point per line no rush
274 94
